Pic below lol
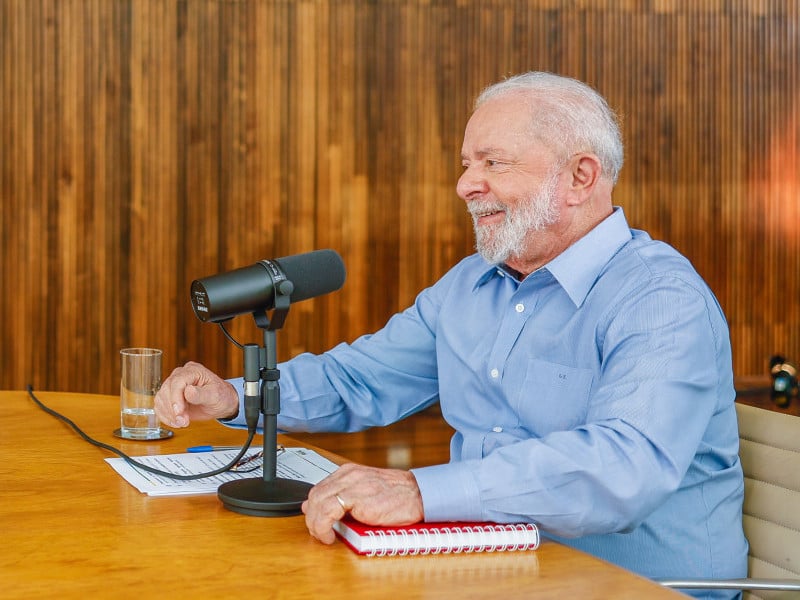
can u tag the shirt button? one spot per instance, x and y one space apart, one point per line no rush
495 373
497 429
520 307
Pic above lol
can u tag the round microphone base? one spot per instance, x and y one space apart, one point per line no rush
259 498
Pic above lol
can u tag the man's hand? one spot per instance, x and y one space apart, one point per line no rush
373 496
194 392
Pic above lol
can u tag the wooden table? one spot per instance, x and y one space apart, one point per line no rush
73 528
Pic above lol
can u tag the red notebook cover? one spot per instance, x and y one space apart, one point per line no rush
436 538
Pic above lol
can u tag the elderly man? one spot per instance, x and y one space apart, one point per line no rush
585 368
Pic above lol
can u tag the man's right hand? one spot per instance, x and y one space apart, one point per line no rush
194 392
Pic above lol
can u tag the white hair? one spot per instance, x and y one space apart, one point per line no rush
567 114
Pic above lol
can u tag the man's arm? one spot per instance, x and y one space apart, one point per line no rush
662 389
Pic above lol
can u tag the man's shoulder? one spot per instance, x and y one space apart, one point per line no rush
655 257
645 267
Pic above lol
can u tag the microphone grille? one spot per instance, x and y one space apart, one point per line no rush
313 273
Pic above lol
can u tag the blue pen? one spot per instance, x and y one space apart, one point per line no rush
195 449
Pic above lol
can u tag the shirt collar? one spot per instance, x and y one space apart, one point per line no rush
577 268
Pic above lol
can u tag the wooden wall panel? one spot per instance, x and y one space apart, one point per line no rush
145 143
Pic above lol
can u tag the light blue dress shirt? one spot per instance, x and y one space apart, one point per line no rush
594 398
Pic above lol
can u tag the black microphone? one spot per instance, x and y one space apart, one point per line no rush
784 381
249 289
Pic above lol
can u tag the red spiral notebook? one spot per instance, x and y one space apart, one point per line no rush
436 538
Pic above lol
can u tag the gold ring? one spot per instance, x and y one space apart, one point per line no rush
341 502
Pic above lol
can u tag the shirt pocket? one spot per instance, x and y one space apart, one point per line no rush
553 397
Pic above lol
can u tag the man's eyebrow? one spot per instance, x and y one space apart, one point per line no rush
490 150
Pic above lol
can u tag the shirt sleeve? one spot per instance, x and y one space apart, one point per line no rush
375 381
662 352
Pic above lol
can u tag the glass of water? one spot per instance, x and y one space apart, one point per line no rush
141 378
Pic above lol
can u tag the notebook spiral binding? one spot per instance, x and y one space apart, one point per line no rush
422 541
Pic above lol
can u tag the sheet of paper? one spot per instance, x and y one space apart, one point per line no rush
293 463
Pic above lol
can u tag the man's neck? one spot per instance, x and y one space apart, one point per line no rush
543 246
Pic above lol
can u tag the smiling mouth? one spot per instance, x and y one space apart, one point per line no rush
486 214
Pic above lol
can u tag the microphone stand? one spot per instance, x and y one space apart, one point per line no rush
270 496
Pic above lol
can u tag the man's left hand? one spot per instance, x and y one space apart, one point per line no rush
372 496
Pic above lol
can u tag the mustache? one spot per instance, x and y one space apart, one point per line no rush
478 208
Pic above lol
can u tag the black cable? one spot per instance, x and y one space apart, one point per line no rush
229 336
130 460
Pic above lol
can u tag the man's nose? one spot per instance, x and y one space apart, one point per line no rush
471 183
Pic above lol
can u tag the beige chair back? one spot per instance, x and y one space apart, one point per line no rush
770 455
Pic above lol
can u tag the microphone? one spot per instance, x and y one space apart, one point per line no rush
221 297
784 381
256 289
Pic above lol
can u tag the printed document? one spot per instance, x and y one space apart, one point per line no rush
301 464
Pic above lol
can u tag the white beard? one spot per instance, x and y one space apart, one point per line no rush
497 243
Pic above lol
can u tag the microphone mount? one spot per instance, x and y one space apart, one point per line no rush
268 496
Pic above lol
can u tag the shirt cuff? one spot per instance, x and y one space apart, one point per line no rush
237 422
449 492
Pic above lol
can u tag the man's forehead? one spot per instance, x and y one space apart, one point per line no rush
498 134
501 117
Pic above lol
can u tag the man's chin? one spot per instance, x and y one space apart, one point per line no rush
492 257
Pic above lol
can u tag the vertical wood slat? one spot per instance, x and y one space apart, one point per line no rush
146 143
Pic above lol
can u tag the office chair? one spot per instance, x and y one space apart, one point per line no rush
769 448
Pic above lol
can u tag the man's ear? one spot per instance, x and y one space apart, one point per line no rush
585 172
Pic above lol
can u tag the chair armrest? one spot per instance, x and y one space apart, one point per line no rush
732 584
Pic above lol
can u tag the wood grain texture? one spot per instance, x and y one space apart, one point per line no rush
147 143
